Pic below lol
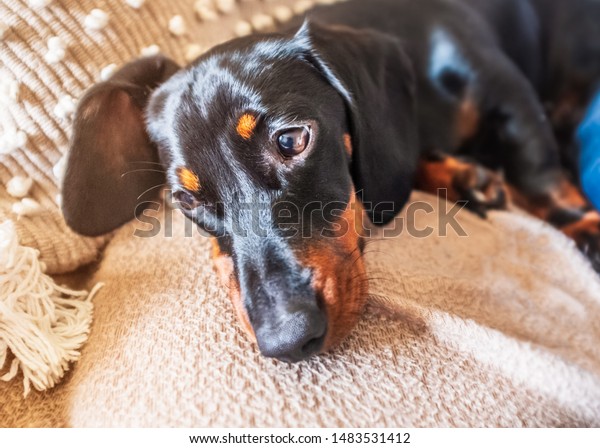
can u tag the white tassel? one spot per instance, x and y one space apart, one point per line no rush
42 324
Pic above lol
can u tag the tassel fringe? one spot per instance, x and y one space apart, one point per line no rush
42 324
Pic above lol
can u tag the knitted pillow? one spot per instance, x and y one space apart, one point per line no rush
51 51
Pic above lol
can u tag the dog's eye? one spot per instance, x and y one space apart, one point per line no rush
186 200
292 142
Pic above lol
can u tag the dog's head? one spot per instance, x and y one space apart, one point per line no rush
272 144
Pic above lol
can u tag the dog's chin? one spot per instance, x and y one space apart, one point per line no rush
339 274
344 297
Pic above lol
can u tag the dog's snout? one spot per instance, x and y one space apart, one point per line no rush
300 336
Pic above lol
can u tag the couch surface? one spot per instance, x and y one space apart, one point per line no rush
496 328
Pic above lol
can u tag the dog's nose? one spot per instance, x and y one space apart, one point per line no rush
299 337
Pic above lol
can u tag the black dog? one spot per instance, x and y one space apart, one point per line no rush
367 99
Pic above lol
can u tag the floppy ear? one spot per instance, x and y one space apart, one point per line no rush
112 163
374 75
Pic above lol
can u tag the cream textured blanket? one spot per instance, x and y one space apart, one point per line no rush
498 328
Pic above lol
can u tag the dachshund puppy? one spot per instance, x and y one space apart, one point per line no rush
300 134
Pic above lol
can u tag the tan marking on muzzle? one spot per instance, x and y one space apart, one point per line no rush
224 266
339 273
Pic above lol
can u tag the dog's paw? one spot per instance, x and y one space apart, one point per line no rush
586 234
481 189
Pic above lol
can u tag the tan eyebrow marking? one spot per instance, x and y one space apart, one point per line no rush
246 125
189 180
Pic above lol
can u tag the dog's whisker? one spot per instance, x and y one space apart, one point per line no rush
368 241
370 279
374 272
143 170
356 260
151 188
354 251
371 250
366 279
145 163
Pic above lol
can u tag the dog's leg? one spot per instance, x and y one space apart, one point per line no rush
586 234
567 209
480 188
531 161
564 206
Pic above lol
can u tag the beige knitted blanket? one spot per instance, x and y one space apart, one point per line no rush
499 328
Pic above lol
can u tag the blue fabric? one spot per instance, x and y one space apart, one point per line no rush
588 135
